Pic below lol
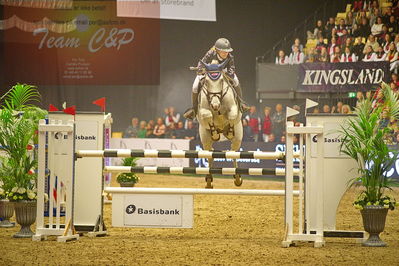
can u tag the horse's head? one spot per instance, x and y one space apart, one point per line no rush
214 84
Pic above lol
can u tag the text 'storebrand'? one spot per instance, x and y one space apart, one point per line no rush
132 209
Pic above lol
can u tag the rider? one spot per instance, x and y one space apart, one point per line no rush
220 52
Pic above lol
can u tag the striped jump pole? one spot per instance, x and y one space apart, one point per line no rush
196 191
197 170
184 154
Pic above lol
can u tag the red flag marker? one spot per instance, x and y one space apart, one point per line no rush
52 108
70 110
100 102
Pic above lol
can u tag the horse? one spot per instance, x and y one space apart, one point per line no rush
218 113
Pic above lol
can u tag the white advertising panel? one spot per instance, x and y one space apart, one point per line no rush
202 10
332 141
155 210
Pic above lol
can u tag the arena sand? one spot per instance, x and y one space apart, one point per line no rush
229 230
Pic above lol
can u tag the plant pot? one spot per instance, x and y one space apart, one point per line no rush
374 223
25 213
127 184
6 212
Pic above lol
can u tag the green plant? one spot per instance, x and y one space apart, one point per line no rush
128 177
18 130
367 142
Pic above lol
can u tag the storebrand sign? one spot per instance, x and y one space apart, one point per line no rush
341 76
157 210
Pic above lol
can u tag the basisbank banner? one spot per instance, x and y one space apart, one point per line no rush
325 77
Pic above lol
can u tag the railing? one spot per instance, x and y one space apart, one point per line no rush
329 8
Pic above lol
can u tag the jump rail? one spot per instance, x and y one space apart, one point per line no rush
197 170
184 154
197 191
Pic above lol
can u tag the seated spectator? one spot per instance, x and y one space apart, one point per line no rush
329 26
392 58
346 109
364 29
393 27
383 34
395 79
320 44
296 57
386 42
340 27
348 43
282 59
359 98
395 10
348 56
254 122
376 29
355 31
131 131
191 132
159 129
297 43
266 124
380 54
336 57
142 132
324 57
316 110
371 42
374 14
349 20
272 138
341 40
358 48
318 30
180 131
282 139
170 132
278 121
369 56
326 109
387 15
360 16
331 47
337 109
357 5
247 131
171 117
311 55
150 129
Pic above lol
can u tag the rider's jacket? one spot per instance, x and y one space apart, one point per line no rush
212 55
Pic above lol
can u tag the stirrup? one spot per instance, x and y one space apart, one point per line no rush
189 114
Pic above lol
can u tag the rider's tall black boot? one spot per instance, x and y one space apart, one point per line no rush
243 106
191 113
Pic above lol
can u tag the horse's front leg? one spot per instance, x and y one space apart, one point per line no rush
207 144
235 146
232 116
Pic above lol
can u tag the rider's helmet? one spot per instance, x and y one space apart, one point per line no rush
223 44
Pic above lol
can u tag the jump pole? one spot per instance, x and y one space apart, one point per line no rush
184 154
197 191
198 170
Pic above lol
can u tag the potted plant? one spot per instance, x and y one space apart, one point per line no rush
128 179
6 207
18 128
366 138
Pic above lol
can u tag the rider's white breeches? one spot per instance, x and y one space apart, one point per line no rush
199 77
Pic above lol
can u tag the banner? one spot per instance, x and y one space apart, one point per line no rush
85 45
202 10
324 77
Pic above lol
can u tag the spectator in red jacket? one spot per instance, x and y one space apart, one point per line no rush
266 124
253 122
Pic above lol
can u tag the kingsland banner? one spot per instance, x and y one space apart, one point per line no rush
202 10
324 77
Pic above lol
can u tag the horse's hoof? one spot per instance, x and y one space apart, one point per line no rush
237 180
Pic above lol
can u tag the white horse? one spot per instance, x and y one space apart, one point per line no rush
218 113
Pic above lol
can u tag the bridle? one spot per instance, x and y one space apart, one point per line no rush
220 95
